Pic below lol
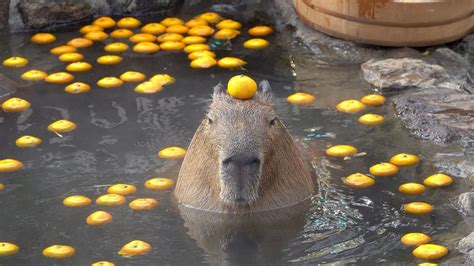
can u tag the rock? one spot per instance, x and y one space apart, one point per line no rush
395 75
460 164
456 65
439 115
326 48
44 14
4 10
466 244
470 258
138 8
464 203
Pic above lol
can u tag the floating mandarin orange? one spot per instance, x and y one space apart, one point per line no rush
63 49
143 204
418 208
430 252
2 186
10 165
43 38
77 88
109 59
99 218
229 24
163 79
350 106
110 200
196 22
62 126
116 47
358 180
202 31
109 82
159 183
59 252
371 119
172 46
260 31
341 150
203 62
231 62
171 21
121 33
7 249
15 61
415 239
77 201
146 47
71 57
27 141
78 67
96 36
193 40
197 54
196 47
170 37
173 152
122 189
80 43
132 76
148 87
135 248
256 44
301 98
15 105
181 29
411 188
226 34
241 87
34 74
428 264
104 22
59 77
103 263
153 28
128 23
89 28
373 99
210 17
404 159
438 181
142 37
383 169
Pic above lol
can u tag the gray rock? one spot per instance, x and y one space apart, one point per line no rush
457 66
44 14
138 8
326 48
4 10
461 165
439 115
395 75
464 203
466 244
470 258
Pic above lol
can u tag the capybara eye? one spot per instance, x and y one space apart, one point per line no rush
273 121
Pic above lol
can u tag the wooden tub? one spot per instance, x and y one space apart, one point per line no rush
390 22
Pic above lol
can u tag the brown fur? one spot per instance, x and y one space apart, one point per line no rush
286 178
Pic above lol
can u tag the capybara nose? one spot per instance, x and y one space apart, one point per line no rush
240 162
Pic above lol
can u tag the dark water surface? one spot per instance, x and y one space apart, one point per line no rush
119 133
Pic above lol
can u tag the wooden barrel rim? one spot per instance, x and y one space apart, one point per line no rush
385 23
398 43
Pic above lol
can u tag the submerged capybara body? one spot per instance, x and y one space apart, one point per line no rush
243 159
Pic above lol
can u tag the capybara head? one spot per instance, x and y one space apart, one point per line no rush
242 158
239 131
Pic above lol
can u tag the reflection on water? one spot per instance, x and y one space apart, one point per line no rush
119 133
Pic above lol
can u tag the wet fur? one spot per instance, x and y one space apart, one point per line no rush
286 178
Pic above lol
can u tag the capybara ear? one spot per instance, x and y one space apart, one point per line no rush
218 89
266 90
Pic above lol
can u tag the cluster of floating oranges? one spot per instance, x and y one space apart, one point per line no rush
385 169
